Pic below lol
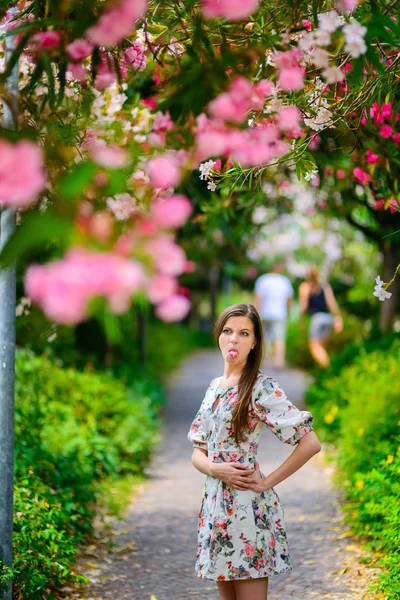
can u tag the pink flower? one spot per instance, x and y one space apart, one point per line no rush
136 57
162 122
386 111
371 158
116 23
45 40
173 211
168 257
393 204
111 157
379 204
164 171
361 176
65 287
234 10
249 549
396 138
161 287
104 80
386 131
307 24
21 173
78 72
340 174
79 49
272 542
173 309
289 118
291 79
241 96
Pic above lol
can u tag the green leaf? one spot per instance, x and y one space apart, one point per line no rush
34 232
72 184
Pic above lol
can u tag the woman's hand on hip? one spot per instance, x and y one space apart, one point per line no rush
235 475
258 482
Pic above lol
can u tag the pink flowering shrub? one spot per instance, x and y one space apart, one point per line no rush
233 10
22 176
116 22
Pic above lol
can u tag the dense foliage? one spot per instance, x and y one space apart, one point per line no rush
357 406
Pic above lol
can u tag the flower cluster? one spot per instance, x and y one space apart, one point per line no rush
380 290
234 10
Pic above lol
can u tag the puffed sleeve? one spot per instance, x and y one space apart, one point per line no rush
271 405
197 432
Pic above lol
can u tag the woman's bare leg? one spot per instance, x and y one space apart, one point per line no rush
226 590
319 353
252 589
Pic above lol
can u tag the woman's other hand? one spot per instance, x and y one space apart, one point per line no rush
235 475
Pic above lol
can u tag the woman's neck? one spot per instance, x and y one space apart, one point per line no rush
233 372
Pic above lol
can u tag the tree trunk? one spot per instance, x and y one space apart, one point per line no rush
391 258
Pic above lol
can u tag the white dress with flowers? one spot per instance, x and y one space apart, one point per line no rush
241 534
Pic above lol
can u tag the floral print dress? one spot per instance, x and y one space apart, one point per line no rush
241 534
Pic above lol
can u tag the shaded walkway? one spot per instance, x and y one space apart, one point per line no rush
158 536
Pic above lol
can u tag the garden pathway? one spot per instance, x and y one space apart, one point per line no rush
156 542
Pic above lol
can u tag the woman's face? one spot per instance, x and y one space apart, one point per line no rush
236 340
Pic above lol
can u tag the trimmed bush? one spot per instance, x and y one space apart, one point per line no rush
358 407
72 431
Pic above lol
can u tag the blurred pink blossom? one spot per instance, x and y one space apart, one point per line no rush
168 257
161 287
116 23
64 288
78 72
361 176
307 24
371 157
136 57
173 309
22 176
241 96
111 157
291 78
233 10
45 40
79 49
396 138
289 118
164 171
340 174
173 211
386 131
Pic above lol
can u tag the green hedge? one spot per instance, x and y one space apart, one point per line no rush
72 431
357 406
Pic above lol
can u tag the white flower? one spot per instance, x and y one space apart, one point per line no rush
355 43
311 175
122 206
322 38
329 21
379 291
211 186
333 74
322 120
320 57
206 168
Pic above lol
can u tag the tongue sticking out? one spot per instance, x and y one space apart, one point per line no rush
233 353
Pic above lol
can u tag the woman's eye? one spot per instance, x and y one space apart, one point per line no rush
245 333
225 331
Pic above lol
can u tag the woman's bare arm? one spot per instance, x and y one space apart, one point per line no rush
306 448
334 308
235 475
304 293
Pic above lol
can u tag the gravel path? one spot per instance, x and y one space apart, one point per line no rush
157 540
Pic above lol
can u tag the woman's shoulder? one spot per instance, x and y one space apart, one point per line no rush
265 381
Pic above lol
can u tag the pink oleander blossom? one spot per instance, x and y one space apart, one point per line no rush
291 79
64 288
162 122
164 171
136 57
22 176
161 287
78 72
45 40
79 49
396 138
371 157
307 24
173 309
116 23
241 96
289 118
386 131
173 211
168 257
111 157
234 10
361 176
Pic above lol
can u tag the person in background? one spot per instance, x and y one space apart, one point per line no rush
273 298
319 302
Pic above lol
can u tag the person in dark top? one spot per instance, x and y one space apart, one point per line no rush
319 302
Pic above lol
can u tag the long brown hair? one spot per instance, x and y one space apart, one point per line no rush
249 374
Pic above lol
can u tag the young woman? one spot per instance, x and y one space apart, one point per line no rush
241 536
319 302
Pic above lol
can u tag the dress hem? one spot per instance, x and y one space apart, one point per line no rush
269 574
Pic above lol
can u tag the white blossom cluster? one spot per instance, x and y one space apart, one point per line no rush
379 290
